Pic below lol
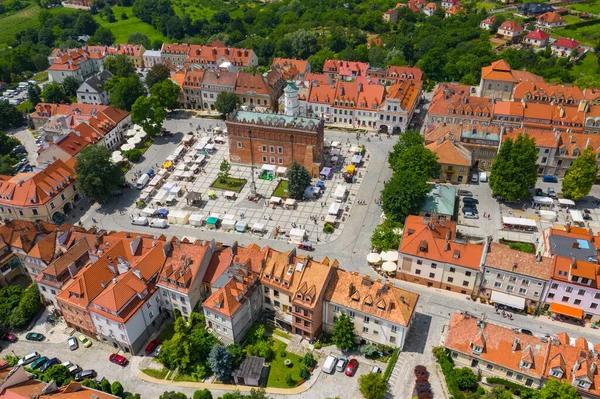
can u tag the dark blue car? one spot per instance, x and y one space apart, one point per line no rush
550 179
48 363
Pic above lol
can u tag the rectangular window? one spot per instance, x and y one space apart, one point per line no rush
565 299
366 319
352 314
452 270
280 150
240 144
577 302
581 292
336 308
271 148
264 148
431 275
365 330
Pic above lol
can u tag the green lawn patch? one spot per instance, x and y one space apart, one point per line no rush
588 35
586 67
571 19
158 374
282 334
279 371
25 106
40 77
230 184
123 28
589 7
24 19
281 190
520 246
167 333
185 377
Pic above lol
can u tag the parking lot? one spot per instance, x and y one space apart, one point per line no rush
186 177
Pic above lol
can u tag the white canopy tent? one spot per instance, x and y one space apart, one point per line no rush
566 202
228 224
331 219
390 256
229 194
340 193
269 168
116 156
147 211
155 181
508 300
275 200
160 197
543 200
576 216
297 235
187 138
130 133
334 209
258 228
127 147
281 170
141 134
549 216
178 217
373 257
389 266
518 221
290 202
134 140
196 219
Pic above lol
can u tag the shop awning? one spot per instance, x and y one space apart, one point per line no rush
508 300
566 310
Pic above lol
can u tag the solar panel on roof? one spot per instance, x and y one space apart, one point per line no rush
583 244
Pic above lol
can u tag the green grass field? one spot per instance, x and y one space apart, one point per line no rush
123 28
588 35
279 371
26 18
571 19
586 67
590 7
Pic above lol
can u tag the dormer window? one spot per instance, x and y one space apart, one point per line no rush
525 365
299 296
557 373
477 350
276 279
286 283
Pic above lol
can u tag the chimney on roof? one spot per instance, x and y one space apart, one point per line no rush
138 274
568 227
573 263
401 300
515 344
514 268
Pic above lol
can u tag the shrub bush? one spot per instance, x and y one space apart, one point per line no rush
515 388
304 372
328 228
391 364
134 155
421 371
283 353
289 380
369 350
309 360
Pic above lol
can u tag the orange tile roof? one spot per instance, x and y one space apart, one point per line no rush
565 267
423 233
291 68
569 142
72 144
202 54
228 299
182 265
252 83
503 257
320 78
549 90
489 20
407 92
45 249
591 94
455 9
34 189
175 48
500 345
450 152
362 293
508 108
551 18
61 264
400 71
543 138
74 390
512 26
321 93
454 100
123 297
345 68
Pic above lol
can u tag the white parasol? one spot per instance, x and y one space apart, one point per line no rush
389 266
127 147
134 140
130 133
373 258
390 256
117 156
141 134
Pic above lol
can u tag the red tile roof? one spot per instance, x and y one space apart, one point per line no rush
503 257
566 42
450 152
202 54
537 35
291 68
511 26
551 91
345 68
551 18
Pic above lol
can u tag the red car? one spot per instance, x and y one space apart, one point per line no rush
151 347
351 368
118 359
9 337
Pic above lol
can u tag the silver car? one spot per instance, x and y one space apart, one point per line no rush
341 364
73 344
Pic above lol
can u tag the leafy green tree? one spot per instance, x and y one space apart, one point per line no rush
119 65
344 336
34 95
102 36
501 393
7 143
12 360
404 194
116 388
385 236
203 394
54 93
157 73
220 362
514 171
368 350
581 176
298 180
304 372
226 103
97 176
318 59
175 352
258 393
408 139
233 395
105 385
309 360
123 92
554 389
146 113
289 380
70 86
372 386
417 158
173 395
139 38
91 384
237 354
261 349
224 171
85 24
57 373
166 94
303 43
9 115
466 379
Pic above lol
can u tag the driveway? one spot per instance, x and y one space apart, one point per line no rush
26 137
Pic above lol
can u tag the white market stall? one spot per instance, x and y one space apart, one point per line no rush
178 217
210 147
161 197
297 236
196 219
228 222
356 159
275 200
230 195
258 228
334 209
268 169
340 193
548 216
513 223
281 170
156 181
147 211
543 201
577 216
290 203
187 139
331 219
566 202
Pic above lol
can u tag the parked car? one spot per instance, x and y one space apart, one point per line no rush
329 365
118 359
471 209
84 341
73 368
474 178
33 336
465 193
469 201
351 368
551 192
39 362
375 370
73 344
9 337
470 215
550 179
85 374
151 347
525 331
539 192
341 364
28 358
49 363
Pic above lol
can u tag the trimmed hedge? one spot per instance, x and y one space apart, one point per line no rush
391 364
582 24
515 388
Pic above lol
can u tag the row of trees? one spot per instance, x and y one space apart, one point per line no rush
255 393
18 306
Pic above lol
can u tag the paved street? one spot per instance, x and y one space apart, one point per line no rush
26 137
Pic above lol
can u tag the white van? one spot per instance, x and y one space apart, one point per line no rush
329 365
159 223
29 358
483 177
140 221
142 181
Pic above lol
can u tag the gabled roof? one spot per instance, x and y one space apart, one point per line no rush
61 264
228 299
566 42
537 35
450 152
511 26
551 17
503 257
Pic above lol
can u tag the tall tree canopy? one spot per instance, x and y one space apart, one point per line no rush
157 73
97 176
298 180
123 92
581 176
514 171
